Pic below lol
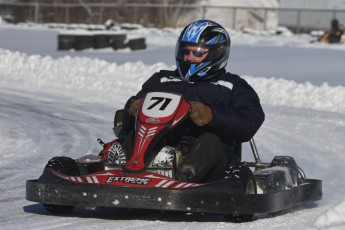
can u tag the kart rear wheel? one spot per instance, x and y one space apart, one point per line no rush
245 176
58 209
297 174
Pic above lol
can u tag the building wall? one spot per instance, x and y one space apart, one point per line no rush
312 20
255 19
315 4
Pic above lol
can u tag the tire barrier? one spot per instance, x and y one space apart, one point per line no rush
83 41
65 41
80 40
77 40
137 44
101 40
117 41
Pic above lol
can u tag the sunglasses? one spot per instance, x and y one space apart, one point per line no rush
195 52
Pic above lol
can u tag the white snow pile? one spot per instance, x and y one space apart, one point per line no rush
96 74
333 219
289 93
78 72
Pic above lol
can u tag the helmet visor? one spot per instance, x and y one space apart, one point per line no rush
206 52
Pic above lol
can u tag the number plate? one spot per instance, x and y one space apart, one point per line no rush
159 105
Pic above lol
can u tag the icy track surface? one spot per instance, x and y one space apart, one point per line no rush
51 107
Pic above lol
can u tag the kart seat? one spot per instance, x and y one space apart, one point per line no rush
118 121
238 151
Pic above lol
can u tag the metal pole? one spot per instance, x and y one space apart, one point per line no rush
36 12
298 21
234 19
67 15
265 20
101 12
203 12
255 152
136 15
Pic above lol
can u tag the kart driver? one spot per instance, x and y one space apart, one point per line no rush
225 109
333 35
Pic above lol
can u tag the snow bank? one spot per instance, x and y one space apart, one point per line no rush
333 219
96 74
68 72
289 93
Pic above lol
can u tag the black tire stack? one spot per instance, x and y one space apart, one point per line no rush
137 43
117 40
66 41
100 40
81 40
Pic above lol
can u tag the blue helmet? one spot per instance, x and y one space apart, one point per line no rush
206 34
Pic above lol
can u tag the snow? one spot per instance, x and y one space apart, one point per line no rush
59 102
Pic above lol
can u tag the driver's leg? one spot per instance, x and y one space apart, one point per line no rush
205 161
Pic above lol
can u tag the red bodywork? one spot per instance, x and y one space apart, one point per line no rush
147 128
158 113
118 178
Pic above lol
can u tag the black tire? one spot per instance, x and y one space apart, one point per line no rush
64 165
101 41
83 42
246 179
117 41
66 42
58 209
238 218
289 162
244 176
284 161
137 44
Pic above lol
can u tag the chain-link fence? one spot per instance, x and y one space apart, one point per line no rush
171 15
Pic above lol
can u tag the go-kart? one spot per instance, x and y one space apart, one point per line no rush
247 188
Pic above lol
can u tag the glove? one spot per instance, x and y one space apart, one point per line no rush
201 114
133 108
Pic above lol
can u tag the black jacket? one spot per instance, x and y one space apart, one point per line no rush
236 109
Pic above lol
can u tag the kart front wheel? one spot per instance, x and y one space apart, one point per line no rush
238 218
64 165
58 209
